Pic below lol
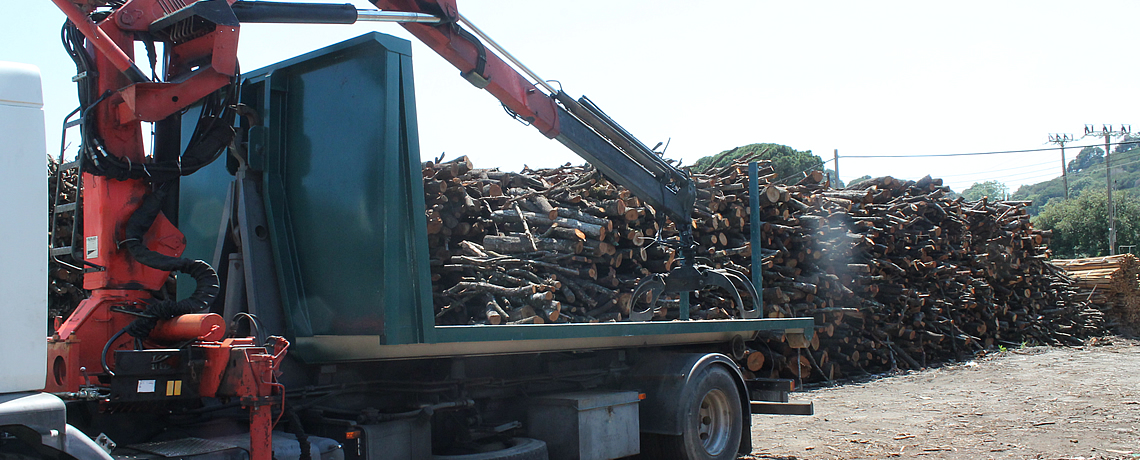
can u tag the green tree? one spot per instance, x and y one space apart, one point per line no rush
786 160
1128 143
1041 193
1080 225
1088 157
993 189
859 179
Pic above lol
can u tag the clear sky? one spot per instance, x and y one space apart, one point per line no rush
866 78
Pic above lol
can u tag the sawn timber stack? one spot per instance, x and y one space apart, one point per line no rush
1110 283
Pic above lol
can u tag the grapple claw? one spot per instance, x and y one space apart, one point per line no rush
741 280
690 279
654 285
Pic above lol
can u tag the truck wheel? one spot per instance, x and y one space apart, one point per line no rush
712 421
520 449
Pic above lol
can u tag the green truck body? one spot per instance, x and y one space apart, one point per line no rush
337 145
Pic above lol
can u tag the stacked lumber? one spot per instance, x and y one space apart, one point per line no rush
1111 284
65 282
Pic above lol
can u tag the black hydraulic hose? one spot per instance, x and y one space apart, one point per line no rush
107 347
206 279
296 429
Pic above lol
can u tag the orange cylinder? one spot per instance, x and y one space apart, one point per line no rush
207 327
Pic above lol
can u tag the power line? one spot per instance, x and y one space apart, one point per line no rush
982 177
1091 170
998 170
1043 149
1131 155
977 175
1022 175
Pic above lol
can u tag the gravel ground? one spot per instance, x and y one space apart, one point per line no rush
1039 402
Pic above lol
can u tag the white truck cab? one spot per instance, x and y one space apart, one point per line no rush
32 423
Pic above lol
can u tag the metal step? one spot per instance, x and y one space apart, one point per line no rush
61 251
65 208
783 408
69 165
770 384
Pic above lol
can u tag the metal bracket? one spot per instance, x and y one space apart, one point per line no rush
783 408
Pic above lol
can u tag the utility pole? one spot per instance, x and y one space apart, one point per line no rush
837 166
1108 132
1061 139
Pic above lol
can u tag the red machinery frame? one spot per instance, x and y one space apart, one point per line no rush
195 67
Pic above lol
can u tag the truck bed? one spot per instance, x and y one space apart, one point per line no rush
335 163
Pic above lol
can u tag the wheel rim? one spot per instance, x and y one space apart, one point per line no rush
715 423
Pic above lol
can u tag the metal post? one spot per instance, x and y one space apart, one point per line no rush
1108 132
754 222
1062 139
1108 179
837 166
1064 171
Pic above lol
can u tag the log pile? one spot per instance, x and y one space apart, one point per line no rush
541 246
1111 284
65 283
896 273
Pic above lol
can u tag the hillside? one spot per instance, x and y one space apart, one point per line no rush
1086 171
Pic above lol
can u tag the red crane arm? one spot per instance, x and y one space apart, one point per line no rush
480 66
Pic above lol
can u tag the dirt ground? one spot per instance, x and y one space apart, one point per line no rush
1039 403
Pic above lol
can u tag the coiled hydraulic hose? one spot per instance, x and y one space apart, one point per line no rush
206 279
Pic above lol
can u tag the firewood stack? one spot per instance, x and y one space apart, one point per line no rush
896 273
65 284
921 278
541 246
1111 284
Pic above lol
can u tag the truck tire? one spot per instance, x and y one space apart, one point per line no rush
520 449
711 424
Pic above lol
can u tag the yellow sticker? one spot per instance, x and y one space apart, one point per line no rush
174 388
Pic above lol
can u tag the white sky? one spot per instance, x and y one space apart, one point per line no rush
867 78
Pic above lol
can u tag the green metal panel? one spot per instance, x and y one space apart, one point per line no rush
337 144
343 187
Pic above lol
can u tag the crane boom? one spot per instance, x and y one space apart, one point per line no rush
578 124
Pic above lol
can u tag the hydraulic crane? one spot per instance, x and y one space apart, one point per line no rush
130 242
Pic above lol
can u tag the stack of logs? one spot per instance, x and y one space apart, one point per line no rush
545 246
65 281
896 273
1111 284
